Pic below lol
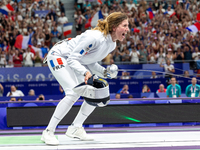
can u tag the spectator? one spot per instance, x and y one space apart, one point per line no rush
117 57
136 39
13 99
179 56
117 96
152 57
125 75
186 74
176 44
145 89
14 92
2 59
54 35
126 56
62 8
123 46
195 54
10 54
198 65
88 14
161 56
79 19
1 89
153 75
37 60
40 36
131 5
124 90
17 59
58 14
169 69
143 3
10 64
40 98
19 99
87 5
134 54
155 45
173 90
31 92
193 89
171 32
156 5
47 37
52 14
44 49
161 89
130 96
187 54
170 56
62 19
143 54
28 58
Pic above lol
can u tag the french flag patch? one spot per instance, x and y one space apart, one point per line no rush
58 64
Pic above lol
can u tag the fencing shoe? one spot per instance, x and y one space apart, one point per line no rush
79 133
49 138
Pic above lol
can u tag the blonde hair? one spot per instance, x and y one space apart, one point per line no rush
113 20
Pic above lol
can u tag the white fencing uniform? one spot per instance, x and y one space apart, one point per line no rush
69 61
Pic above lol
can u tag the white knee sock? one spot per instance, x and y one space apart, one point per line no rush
83 113
61 110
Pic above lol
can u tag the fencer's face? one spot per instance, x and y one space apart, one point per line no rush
120 31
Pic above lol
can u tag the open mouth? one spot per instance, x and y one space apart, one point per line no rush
123 35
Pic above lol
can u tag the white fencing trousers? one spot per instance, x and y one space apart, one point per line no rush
68 79
83 113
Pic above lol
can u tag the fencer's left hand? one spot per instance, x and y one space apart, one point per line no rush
87 76
111 71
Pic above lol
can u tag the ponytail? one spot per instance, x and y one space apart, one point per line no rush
102 26
113 20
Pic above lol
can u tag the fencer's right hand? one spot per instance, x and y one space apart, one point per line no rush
111 71
87 76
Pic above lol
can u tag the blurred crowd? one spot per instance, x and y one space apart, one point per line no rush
151 39
44 31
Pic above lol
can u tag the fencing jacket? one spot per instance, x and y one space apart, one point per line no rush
85 50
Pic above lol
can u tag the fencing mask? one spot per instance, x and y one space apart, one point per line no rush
95 92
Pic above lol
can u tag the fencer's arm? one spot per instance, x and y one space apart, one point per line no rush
74 58
109 72
97 69
76 65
